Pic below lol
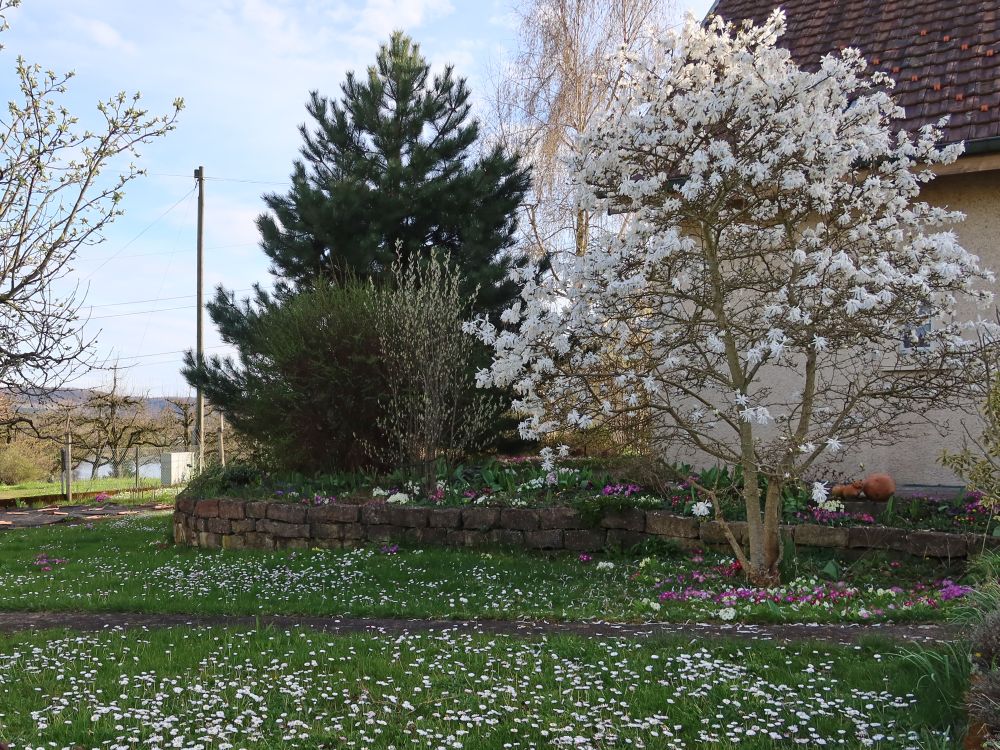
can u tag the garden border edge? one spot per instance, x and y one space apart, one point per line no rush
255 524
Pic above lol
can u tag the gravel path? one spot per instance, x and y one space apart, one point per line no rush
28 518
841 634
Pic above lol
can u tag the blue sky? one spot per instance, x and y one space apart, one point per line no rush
244 69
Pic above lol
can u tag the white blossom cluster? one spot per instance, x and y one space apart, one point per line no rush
774 256
824 500
702 509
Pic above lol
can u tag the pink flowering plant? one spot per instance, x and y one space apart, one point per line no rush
707 585
833 517
970 512
45 563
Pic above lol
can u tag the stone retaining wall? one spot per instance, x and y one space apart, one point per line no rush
240 524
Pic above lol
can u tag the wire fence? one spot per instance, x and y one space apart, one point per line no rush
138 471
135 479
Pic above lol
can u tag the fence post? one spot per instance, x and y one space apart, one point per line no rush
69 464
222 439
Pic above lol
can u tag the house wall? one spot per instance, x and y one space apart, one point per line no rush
915 461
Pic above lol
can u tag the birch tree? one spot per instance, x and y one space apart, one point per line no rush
560 80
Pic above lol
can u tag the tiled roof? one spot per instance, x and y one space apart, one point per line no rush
944 55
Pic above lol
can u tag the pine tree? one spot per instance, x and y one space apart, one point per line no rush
391 164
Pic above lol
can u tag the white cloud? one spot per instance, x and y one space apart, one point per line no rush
504 15
104 35
379 18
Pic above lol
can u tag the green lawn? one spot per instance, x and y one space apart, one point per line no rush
129 565
215 688
145 496
34 489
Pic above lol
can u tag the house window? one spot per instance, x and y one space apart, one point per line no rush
917 338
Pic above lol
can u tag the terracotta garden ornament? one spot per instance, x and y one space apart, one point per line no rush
875 487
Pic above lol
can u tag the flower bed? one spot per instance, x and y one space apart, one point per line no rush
595 488
714 588
238 524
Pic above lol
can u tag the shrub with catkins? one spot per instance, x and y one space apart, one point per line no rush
984 702
977 462
986 642
430 410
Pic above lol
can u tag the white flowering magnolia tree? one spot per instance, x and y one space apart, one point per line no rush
779 265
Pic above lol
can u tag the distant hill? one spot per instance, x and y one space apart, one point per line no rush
80 395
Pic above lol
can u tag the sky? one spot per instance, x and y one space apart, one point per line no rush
244 69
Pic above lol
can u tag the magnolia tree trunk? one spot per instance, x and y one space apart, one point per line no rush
764 537
760 553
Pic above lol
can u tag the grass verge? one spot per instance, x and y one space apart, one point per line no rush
129 565
216 688
27 490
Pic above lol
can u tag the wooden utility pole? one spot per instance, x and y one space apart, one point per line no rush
199 416
222 439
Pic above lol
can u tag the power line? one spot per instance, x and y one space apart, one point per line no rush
237 244
283 183
142 312
149 364
157 299
140 255
175 252
133 365
146 229
161 354
141 301
249 182
159 293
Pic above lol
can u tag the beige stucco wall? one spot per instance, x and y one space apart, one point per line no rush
915 460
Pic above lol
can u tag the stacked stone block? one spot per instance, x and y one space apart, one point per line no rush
254 524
